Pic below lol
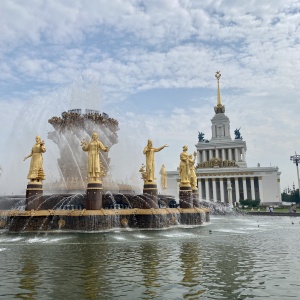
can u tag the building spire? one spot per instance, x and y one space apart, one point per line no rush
219 108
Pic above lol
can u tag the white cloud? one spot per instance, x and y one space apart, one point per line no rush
137 46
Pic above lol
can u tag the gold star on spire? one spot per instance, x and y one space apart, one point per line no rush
219 108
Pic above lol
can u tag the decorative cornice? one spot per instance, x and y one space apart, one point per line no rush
225 174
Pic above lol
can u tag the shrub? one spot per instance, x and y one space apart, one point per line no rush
250 202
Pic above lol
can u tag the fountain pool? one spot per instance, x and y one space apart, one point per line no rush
237 260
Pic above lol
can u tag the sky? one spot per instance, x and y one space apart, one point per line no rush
151 65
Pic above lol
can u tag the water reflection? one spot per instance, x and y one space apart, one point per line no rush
93 275
150 268
230 268
29 275
243 262
190 255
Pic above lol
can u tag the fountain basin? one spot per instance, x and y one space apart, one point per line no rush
103 219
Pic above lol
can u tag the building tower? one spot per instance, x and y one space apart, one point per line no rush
221 166
221 150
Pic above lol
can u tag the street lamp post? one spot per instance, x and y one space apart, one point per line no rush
296 159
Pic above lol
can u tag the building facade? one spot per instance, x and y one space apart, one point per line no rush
222 171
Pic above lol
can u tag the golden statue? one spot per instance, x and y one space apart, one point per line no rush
163 177
36 172
149 152
94 163
193 176
143 173
185 174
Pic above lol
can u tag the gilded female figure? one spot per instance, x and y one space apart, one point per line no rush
94 164
36 172
184 167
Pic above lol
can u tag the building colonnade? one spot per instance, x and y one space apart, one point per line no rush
236 154
243 187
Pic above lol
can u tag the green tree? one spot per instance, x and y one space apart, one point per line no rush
293 196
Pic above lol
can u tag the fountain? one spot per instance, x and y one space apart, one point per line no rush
92 203
69 129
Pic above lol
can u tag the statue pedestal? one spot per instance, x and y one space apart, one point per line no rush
150 195
34 196
195 195
94 196
185 197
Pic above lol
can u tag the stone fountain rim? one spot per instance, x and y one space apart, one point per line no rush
102 212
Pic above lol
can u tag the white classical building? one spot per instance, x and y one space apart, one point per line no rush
222 166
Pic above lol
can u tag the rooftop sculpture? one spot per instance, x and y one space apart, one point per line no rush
238 134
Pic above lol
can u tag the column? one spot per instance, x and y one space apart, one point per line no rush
206 189
236 156
200 189
237 191
243 154
227 130
279 192
229 154
245 188
223 154
229 191
204 155
217 153
252 188
214 189
199 157
213 131
222 190
210 154
261 192
217 131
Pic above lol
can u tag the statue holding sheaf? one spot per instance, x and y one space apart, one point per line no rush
185 169
143 173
